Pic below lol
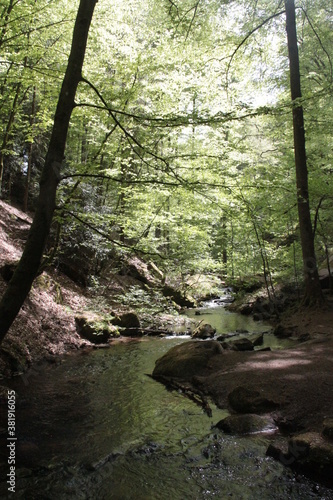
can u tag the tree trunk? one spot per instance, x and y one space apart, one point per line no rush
20 285
313 292
29 167
7 135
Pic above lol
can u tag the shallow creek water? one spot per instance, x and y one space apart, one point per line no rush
234 325
95 426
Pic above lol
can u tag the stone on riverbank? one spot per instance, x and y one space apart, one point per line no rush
245 400
241 345
246 424
94 328
186 360
130 324
203 331
311 448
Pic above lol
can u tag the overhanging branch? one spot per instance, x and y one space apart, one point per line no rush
265 21
108 238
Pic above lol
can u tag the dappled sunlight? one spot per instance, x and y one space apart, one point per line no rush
10 249
274 364
282 360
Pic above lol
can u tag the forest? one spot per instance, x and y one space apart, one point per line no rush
180 144
192 138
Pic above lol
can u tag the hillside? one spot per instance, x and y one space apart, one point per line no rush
45 326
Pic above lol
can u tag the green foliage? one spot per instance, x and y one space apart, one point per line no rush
180 146
146 302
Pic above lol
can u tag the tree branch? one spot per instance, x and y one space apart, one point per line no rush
319 40
277 14
108 238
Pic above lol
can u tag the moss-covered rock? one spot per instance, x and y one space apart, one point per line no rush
129 324
246 424
96 329
242 344
309 453
312 449
180 298
187 359
204 331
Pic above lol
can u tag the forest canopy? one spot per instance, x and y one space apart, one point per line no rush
180 145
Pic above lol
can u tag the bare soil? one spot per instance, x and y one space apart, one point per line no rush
45 326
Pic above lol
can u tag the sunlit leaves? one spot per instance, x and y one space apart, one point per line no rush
181 141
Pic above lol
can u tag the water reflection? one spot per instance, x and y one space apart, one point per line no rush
226 323
97 427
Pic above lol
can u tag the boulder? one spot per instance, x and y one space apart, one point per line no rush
311 448
178 297
204 331
244 400
328 428
278 451
241 345
187 359
282 332
288 425
135 271
94 328
246 424
308 453
258 339
129 323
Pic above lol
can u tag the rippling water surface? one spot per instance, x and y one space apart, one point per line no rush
96 426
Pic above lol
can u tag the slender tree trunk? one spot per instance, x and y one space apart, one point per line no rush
20 285
313 292
29 168
7 135
4 18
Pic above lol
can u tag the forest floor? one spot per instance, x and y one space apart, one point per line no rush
301 378
45 326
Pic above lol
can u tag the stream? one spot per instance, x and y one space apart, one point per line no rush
96 426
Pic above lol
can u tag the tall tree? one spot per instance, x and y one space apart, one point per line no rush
313 292
20 284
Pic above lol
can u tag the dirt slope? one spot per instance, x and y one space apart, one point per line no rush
45 326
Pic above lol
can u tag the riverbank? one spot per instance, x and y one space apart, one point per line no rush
289 389
47 326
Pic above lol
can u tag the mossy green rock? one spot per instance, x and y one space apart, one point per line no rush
94 328
127 320
204 331
187 359
246 424
312 448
